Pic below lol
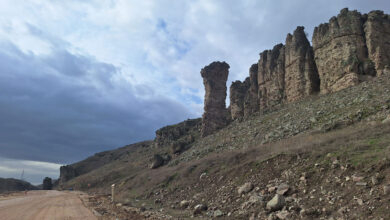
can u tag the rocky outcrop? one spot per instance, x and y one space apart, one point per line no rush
67 173
301 77
350 48
238 91
184 132
214 79
340 51
271 74
377 34
251 103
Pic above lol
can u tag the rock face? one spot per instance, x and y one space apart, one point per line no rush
67 173
178 132
340 51
271 77
238 91
214 79
301 77
251 103
350 48
377 29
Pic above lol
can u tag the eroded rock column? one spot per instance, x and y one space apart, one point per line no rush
251 104
238 91
271 77
377 29
214 79
301 77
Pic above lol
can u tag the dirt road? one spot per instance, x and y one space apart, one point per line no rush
42 205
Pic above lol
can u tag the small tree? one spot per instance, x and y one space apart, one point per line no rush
47 184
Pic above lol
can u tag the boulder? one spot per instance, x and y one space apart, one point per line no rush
282 189
184 204
157 161
199 209
276 203
247 187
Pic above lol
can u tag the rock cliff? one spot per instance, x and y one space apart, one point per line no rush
251 103
347 50
238 91
301 77
271 74
215 114
340 51
377 30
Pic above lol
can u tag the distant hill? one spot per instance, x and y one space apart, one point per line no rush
10 184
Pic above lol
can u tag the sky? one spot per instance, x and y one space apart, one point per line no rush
80 77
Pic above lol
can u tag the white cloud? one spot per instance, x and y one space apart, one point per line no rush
155 50
33 171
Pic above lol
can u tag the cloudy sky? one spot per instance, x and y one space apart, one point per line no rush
79 77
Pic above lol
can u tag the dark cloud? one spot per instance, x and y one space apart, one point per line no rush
63 107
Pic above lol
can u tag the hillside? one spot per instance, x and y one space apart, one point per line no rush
11 185
323 143
306 136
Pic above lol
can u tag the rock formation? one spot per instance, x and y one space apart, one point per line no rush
67 173
301 77
377 30
271 77
349 49
214 79
238 91
185 131
340 51
251 103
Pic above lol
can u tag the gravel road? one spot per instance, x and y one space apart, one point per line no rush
42 205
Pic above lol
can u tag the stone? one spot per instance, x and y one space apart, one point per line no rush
340 50
247 187
282 189
199 208
218 213
386 189
357 178
215 114
157 161
386 120
361 184
203 176
238 91
301 76
374 180
377 34
184 204
271 74
276 203
283 215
